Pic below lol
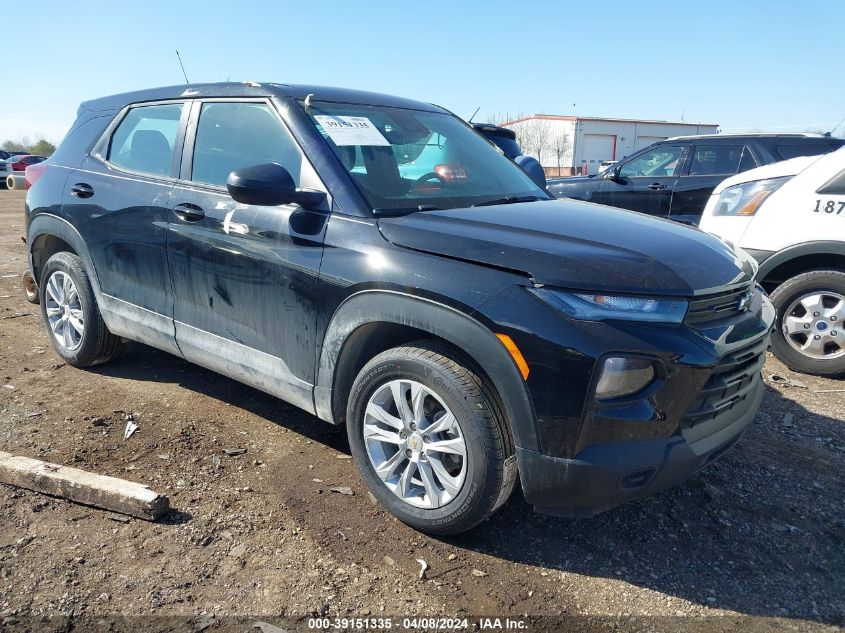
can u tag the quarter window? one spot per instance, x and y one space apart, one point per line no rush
145 139
234 135
708 160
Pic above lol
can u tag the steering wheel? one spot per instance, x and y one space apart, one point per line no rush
429 176
419 182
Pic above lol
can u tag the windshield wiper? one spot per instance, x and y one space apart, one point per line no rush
406 210
507 200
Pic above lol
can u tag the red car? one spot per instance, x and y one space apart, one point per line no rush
22 161
17 163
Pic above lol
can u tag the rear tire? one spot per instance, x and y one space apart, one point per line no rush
464 490
811 305
71 315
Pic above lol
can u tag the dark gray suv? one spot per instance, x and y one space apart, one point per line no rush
674 178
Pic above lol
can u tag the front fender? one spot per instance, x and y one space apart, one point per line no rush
461 330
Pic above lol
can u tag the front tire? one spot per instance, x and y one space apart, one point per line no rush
70 312
809 334
429 437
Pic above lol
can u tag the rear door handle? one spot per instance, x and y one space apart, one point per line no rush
82 190
656 186
189 212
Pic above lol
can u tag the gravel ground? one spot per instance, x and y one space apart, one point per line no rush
755 542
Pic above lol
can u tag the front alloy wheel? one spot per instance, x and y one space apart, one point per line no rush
430 439
415 444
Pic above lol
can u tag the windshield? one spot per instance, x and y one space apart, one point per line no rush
408 160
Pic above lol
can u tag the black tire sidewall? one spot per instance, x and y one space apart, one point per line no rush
471 504
782 297
70 264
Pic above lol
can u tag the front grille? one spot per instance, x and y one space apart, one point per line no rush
716 305
730 384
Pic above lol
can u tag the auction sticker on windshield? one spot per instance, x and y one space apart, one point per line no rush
351 130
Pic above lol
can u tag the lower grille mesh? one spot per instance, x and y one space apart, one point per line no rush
730 384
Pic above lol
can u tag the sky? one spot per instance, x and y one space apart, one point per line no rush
770 65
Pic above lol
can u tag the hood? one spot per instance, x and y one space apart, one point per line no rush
784 168
577 245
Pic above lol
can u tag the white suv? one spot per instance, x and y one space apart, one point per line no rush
790 216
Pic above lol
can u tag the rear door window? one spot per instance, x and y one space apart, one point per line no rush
716 159
145 139
234 135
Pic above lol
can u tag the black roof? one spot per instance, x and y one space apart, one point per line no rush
255 89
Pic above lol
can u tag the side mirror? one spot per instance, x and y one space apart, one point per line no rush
612 172
269 184
532 167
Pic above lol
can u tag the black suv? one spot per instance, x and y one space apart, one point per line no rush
674 178
377 263
505 140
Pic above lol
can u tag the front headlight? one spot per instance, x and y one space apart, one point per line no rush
746 198
602 307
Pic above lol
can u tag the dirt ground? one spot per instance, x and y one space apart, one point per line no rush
755 542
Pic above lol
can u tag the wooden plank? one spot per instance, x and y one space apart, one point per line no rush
111 493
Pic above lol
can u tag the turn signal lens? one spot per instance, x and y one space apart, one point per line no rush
622 376
507 341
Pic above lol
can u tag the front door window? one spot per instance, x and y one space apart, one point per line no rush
659 162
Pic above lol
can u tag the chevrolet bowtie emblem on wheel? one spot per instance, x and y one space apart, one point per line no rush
414 443
745 301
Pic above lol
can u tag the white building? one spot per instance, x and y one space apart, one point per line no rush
565 145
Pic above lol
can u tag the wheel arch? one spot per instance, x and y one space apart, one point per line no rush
371 321
49 234
801 258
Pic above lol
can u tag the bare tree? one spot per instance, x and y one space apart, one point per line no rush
533 135
19 145
559 145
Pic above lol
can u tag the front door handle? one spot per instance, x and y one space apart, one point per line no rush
656 186
82 190
189 212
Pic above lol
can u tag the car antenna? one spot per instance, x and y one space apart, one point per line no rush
834 127
308 101
182 66
473 114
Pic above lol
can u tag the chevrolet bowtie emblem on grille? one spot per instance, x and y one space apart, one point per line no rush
745 302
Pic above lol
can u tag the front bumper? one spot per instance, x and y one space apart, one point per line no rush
603 476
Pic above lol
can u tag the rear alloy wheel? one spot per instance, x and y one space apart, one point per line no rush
430 439
70 313
810 332
64 311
